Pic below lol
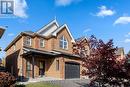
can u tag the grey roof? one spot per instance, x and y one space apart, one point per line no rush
52 53
45 32
32 50
67 54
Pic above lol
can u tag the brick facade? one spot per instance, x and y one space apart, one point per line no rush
17 63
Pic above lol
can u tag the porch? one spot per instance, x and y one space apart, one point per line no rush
37 63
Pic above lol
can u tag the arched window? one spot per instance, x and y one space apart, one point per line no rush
63 43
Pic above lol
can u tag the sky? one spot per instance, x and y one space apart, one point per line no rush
106 19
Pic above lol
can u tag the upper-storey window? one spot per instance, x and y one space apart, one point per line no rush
28 41
63 43
42 43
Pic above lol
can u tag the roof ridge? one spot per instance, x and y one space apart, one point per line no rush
47 25
62 27
57 28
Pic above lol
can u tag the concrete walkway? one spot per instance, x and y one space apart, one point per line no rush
71 83
40 79
60 82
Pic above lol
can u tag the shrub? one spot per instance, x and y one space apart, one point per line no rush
7 80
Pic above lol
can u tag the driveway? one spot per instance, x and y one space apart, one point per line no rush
71 83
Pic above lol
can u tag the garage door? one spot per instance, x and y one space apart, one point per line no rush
72 70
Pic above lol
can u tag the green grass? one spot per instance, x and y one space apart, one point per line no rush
39 84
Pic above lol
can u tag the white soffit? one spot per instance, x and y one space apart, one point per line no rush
49 28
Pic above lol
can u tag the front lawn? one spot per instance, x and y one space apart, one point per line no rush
39 84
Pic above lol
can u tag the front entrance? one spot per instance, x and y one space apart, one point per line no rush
42 68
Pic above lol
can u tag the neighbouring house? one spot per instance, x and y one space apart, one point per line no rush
47 52
82 41
120 54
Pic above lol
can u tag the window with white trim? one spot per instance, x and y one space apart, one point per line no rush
42 43
28 41
63 43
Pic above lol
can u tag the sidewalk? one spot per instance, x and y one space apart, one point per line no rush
40 79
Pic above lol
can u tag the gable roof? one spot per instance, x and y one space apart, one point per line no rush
47 31
29 51
53 28
62 27
81 39
49 28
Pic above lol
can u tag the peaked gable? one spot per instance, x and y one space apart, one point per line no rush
49 28
81 39
61 28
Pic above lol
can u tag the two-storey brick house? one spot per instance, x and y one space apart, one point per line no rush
46 52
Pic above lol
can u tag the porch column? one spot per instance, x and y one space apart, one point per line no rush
33 63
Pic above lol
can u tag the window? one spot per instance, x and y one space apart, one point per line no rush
41 65
27 41
28 69
28 65
63 43
57 65
42 42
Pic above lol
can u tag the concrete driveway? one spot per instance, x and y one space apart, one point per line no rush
71 83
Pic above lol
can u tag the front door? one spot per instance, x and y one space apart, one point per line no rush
42 68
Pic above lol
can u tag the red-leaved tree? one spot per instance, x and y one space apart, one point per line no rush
101 63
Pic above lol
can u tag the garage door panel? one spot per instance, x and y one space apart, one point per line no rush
72 70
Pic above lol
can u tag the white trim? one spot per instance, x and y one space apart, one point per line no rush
2 27
55 52
53 22
43 43
25 49
62 27
84 39
28 41
63 40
